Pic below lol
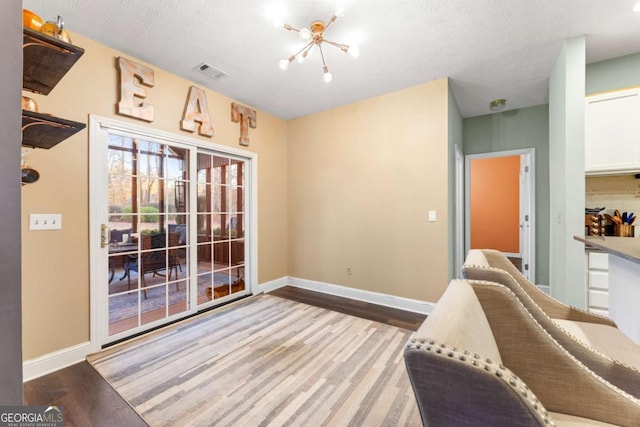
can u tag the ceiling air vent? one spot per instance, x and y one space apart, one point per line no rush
210 71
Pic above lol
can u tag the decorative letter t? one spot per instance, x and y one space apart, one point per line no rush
246 116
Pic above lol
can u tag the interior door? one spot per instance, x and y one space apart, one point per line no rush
500 205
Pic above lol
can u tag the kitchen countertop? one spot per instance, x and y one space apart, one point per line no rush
624 247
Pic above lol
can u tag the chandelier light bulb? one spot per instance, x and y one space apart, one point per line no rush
354 51
305 34
339 11
277 13
300 59
327 77
283 64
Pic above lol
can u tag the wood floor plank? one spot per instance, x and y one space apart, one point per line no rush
89 400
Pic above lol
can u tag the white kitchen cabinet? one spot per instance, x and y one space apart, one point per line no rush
598 282
612 132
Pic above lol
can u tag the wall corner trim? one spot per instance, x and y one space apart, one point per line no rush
34 368
401 303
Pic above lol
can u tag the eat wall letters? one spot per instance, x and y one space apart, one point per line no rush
196 110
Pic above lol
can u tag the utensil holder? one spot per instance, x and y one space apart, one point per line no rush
623 230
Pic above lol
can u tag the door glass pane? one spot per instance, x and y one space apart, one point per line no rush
148 193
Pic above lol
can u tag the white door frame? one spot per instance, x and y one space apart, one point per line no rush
99 128
527 201
460 212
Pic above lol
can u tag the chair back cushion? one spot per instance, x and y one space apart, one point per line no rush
494 266
470 332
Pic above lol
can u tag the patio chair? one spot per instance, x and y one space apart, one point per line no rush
154 258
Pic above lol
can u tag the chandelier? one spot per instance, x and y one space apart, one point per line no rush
315 37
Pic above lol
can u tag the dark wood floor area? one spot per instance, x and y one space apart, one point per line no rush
88 400
390 316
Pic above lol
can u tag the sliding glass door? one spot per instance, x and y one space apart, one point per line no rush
172 230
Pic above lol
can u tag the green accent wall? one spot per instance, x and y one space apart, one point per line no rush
613 74
514 130
567 264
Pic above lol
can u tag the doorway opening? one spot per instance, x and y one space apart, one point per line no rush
500 205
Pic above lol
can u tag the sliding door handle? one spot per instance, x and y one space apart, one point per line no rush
104 236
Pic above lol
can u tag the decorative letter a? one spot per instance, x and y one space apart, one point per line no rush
197 110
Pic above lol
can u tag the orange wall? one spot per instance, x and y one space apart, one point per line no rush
495 203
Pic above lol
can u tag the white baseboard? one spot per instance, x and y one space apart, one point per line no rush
272 285
386 300
51 362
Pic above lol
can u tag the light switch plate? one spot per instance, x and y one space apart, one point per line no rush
432 216
45 221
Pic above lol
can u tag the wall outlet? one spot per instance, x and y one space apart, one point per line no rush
349 271
45 221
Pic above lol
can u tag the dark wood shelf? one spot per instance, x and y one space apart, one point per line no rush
45 131
46 60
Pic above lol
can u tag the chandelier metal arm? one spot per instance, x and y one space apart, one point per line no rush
307 47
341 46
331 20
290 28
324 64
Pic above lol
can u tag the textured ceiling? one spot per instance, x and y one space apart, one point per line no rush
489 48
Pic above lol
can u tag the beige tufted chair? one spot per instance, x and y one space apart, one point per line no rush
592 339
480 359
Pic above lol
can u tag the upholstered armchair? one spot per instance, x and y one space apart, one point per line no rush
480 359
592 339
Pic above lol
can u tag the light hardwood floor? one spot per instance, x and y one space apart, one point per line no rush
88 400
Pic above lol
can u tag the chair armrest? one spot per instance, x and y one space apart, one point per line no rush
456 387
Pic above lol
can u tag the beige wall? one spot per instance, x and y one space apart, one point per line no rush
362 179
56 263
